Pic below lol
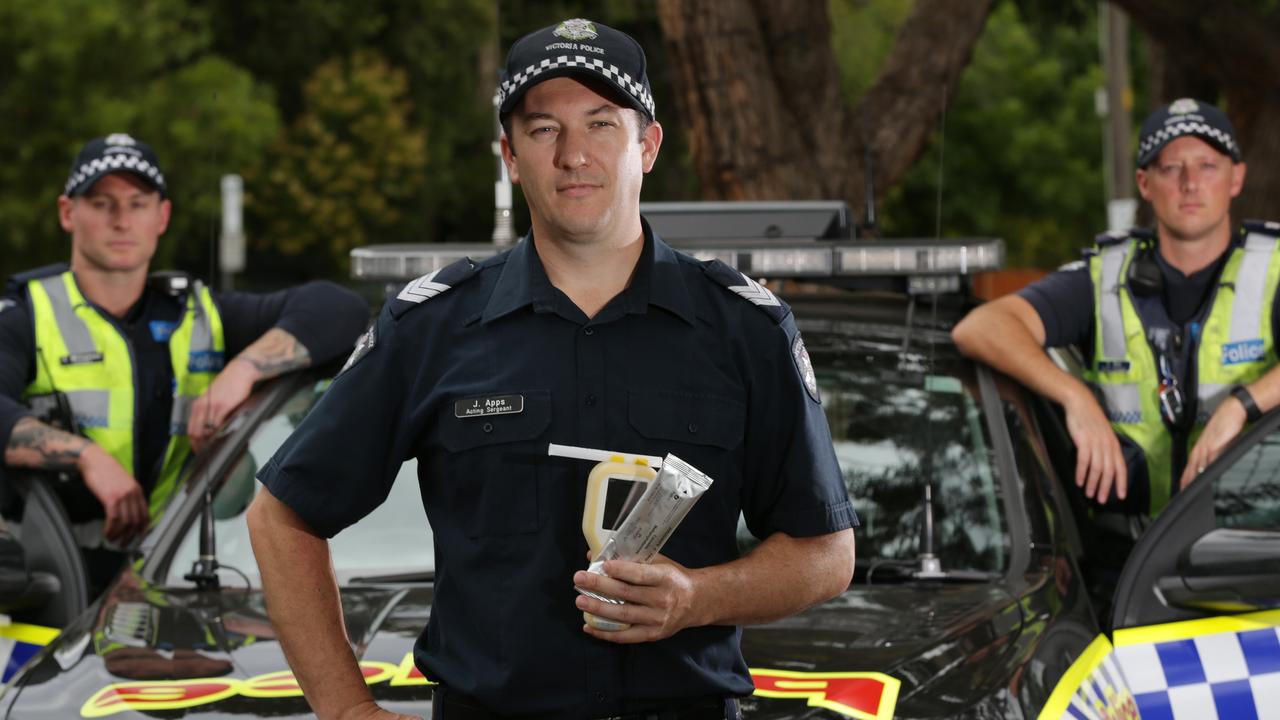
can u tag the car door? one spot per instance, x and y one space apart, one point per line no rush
1197 608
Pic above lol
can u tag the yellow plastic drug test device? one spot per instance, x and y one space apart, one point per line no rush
611 489
609 486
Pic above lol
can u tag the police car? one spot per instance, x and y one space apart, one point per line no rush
967 601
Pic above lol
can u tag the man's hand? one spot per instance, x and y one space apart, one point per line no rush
660 599
1099 459
121 496
225 393
1225 423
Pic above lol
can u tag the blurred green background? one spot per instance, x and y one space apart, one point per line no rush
371 121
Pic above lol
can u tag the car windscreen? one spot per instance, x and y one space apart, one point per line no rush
394 539
905 408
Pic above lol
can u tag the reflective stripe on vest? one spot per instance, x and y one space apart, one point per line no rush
1235 347
82 354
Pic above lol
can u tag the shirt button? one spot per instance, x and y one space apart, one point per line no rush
591 399
600 696
693 428
487 427
589 331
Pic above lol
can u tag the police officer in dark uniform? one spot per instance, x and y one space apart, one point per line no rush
1177 325
114 374
590 332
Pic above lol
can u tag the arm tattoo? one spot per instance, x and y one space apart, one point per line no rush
275 353
36 445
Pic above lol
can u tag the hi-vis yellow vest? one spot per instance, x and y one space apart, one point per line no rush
1236 347
80 353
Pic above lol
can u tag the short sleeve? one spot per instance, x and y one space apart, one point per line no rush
340 462
1064 302
793 481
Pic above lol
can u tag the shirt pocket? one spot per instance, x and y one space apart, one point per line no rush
705 421
493 464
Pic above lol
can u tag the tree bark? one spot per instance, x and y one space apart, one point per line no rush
758 86
1233 45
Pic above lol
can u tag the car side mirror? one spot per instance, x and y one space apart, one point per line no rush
1226 570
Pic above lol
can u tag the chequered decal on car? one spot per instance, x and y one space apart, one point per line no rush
1213 669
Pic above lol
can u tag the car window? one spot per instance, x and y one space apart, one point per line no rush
394 538
899 415
1247 494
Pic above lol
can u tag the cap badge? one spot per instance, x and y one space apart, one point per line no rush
121 139
576 29
1184 106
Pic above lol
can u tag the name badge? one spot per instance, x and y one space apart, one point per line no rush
488 406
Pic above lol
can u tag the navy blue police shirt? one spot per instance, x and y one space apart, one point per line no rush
324 317
675 363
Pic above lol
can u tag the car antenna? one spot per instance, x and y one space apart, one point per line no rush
930 565
869 228
204 571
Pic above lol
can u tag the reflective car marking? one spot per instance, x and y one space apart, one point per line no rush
861 695
19 642
1218 667
1093 687
178 694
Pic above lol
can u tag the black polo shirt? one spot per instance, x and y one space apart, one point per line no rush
675 363
324 317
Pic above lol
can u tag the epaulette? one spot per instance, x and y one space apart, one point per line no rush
1262 227
747 289
174 283
1113 237
1073 266
17 283
430 285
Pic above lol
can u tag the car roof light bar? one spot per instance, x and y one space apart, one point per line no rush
783 258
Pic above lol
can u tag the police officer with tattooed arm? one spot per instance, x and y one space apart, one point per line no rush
1177 325
119 376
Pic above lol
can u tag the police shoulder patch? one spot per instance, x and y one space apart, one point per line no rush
747 289
364 344
804 366
415 292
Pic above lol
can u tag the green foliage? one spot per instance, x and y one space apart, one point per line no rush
76 69
349 169
862 34
1023 147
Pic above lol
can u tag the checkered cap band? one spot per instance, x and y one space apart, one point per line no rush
1157 139
114 163
610 72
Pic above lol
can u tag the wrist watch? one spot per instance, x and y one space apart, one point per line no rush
1251 410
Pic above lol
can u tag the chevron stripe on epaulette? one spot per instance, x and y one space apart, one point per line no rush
747 289
415 292
1263 227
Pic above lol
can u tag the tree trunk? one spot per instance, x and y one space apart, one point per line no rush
1233 45
758 86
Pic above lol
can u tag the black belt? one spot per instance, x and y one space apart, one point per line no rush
451 706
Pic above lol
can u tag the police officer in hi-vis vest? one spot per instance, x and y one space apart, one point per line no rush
1177 325
117 375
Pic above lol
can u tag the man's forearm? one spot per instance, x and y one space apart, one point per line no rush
997 333
275 353
781 577
33 444
305 607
